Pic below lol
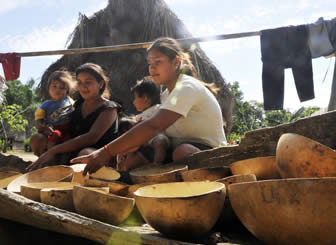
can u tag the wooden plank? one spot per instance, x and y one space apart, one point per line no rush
20 209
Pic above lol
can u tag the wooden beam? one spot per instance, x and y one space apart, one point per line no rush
132 46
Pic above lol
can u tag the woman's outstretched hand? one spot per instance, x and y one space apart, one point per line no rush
41 161
94 161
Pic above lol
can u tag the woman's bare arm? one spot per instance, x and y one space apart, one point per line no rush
98 129
136 136
143 132
103 122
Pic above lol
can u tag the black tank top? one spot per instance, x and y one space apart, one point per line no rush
80 125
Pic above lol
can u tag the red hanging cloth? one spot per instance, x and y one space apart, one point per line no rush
11 65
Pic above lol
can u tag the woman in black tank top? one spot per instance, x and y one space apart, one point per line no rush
94 121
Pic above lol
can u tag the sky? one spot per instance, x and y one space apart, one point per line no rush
39 25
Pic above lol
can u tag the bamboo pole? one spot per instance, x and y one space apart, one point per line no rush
135 45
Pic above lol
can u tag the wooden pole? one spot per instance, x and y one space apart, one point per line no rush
135 45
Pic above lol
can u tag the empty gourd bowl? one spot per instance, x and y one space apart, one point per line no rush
47 174
157 173
135 218
105 174
116 186
102 178
32 190
59 197
288 211
102 206
5 181
202 174
95 183
262 167
228 216
128 191
78 173
181 209
300 157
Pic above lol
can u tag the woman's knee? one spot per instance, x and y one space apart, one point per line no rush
38 143
184 150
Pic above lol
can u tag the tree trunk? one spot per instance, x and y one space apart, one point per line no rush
4 146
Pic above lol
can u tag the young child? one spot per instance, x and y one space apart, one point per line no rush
146 96
53 116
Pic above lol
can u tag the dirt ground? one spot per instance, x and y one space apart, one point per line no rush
27 156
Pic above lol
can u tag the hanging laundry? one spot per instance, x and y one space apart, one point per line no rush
285 47
319 42
331 26
11 65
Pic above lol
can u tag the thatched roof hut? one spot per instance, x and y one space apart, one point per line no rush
129 21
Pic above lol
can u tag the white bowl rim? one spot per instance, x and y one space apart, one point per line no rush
135 173
220 187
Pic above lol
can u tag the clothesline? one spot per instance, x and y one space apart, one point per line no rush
135 45
277 45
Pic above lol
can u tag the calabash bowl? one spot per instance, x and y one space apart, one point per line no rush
102 206
228 216
77 176
33 190
105 174
300 157
60 197
288 211
47 174
262 167
155 173
181 209
202 174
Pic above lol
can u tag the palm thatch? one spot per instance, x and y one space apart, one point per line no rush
129 21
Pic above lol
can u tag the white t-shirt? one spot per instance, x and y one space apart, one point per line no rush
201 120
148 113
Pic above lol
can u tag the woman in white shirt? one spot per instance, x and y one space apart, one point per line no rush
189 113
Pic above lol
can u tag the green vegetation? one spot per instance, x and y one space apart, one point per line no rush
12 121
17 110
248 116
23 94
26 145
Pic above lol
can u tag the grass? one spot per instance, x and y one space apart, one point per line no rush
27 156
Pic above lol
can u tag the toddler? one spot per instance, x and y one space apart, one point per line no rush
53 116
146 100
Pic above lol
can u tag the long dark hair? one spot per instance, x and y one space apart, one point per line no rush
98 72
171 48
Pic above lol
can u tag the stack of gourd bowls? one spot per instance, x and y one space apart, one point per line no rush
174 201
284 199
65 187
